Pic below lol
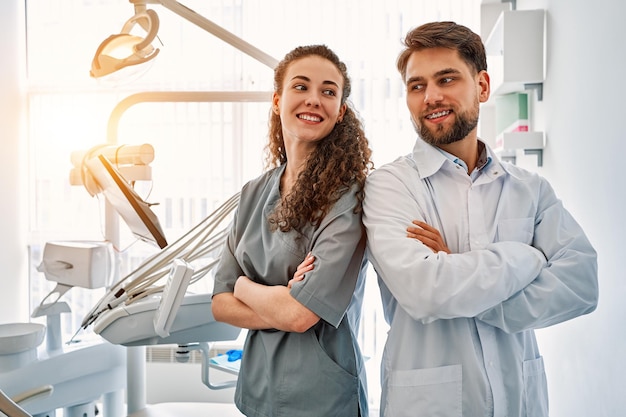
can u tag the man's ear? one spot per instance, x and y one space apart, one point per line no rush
484 86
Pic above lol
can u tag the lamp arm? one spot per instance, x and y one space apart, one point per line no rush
149 21
218 31
178 97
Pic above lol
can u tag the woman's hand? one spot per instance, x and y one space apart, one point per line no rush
304 267
428 235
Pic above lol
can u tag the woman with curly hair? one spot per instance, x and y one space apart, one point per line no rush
290 269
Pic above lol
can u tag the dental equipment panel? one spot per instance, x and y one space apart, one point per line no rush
173 293
133 325
126 314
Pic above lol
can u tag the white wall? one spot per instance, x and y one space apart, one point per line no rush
13 250
582 114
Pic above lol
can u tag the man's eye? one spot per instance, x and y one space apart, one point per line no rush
446 80
417 87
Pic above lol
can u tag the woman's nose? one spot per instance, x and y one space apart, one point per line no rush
313 100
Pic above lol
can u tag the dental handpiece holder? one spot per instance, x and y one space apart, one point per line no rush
85 264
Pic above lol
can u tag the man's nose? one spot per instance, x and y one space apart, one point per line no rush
432 95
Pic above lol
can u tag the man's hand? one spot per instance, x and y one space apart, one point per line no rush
428 235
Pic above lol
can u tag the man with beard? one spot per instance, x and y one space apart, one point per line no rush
472 254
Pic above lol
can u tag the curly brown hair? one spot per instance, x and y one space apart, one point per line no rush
339 161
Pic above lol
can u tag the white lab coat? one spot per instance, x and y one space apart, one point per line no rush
461 341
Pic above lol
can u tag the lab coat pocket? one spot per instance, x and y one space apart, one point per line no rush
425 392
536 388
516 230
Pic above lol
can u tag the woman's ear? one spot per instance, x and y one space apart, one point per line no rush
275 103
342 111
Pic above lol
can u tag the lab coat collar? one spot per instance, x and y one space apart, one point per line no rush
497 168
429 159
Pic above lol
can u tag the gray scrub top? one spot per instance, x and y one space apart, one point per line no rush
319 372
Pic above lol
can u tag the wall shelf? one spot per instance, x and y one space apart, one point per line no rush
515 50
531 142
489 14
522 140
515 46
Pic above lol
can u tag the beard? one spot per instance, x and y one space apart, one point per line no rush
464 123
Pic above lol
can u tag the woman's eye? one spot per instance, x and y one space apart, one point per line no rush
300 87
330 92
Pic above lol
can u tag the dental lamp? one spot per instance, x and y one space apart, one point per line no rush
125 55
